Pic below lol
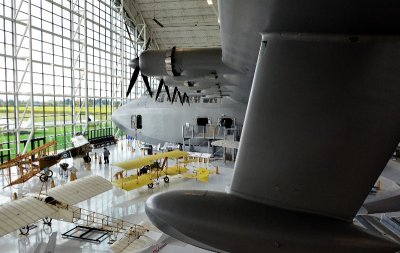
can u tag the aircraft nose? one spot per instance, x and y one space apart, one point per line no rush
123 115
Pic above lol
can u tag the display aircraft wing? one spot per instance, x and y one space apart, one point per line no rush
325 84
79 141
146 160
80 190
31 208
22 212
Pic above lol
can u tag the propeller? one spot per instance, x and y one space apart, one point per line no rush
158 22
135 64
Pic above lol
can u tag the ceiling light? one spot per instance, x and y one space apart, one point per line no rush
209 2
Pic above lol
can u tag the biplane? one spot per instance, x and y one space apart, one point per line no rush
149 170
38 161
28 165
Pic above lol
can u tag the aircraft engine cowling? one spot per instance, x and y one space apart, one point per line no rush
183 62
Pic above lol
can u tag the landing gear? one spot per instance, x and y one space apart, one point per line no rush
166 179
45 177
47 220
151 185
24 230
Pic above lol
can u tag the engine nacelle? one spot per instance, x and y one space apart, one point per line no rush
183 62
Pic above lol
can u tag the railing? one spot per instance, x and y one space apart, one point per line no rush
208 132
88 218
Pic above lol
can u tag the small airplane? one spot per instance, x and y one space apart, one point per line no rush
160 121
320 127
213 96
40 165
149 170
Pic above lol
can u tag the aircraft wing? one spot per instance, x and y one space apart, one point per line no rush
146 160
22 212
321 104
80 190
79 141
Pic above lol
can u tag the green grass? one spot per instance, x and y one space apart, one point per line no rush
50 116
56 110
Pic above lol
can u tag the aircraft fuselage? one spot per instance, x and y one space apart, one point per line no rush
163 121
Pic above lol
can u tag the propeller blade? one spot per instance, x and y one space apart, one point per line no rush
159 88
186 97
146 82
158 22
180 97
133 81
167 90
147 44
173 95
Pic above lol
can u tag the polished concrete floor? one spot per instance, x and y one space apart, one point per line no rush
116 203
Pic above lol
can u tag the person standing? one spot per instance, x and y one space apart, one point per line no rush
106 154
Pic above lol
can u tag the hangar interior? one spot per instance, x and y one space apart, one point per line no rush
75 92
64 71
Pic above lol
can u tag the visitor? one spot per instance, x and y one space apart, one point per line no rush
106 154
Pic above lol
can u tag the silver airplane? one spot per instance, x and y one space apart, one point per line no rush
212 98
160 121
321 123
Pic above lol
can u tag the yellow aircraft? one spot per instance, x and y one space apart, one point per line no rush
148 170
200 174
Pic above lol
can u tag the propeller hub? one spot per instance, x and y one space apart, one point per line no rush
134 63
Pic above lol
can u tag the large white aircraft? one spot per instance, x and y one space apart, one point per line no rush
213 95
158 122
325 100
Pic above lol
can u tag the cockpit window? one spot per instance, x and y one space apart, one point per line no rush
226 122
133 121
202 121
136 121
139 121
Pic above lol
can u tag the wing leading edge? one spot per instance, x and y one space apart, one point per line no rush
22 212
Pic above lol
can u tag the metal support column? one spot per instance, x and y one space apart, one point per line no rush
140 41
19 43
118 59
79 65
